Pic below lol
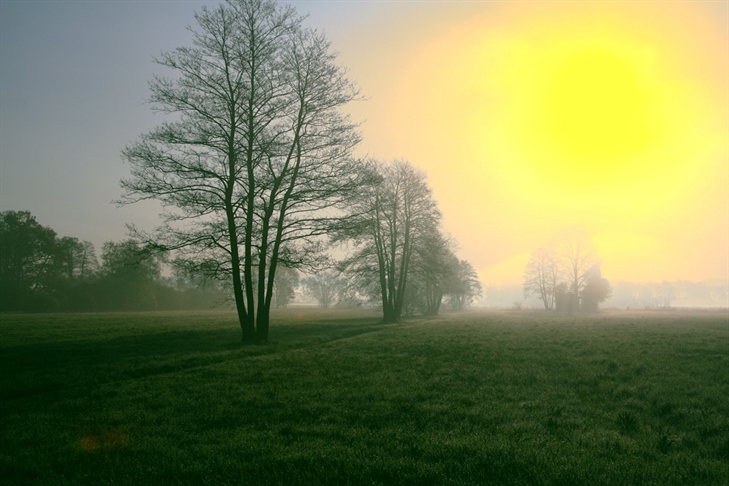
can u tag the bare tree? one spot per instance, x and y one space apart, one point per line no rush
388 220
256 158
541 276
566 276
467 286
284 287
433 274
578 258
324 287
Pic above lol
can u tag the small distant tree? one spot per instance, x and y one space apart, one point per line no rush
466 287
596 290
284 287
560 274
323 287
542 275
388 221
128 274
578 258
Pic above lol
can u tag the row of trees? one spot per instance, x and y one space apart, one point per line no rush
40 271
566 276
665 295
399 252
255 167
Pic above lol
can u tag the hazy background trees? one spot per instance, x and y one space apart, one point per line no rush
665 295
284 286
400 257
256 154
389 218
542 275
325 288
566 276
42 272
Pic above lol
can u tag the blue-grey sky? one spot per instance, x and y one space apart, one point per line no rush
444 82
73 83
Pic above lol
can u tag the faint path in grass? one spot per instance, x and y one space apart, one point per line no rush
49 354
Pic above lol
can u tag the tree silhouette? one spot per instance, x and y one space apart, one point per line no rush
541 276
389 219
255 159
30 262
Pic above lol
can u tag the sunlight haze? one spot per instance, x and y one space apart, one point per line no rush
532 118
528 117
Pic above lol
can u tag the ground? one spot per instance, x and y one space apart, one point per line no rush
482 397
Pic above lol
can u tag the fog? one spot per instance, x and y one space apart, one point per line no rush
453 89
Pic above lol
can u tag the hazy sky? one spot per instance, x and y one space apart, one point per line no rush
528 117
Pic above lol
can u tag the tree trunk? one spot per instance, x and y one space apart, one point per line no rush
388 314
264 319
246 326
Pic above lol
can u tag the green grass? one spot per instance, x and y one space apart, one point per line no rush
335 398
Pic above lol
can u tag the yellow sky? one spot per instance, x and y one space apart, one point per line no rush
534 117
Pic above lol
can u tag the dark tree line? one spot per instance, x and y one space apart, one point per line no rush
253 164
255 167
42 272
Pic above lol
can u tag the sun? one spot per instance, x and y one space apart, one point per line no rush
593 115
609 116
594 108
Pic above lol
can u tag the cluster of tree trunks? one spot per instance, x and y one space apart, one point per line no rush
257 158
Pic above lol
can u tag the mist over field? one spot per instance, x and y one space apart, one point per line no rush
472 398
526 118
271 242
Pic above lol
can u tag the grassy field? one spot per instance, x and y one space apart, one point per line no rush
336 398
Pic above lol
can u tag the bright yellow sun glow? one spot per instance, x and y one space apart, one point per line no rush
610 117
593 113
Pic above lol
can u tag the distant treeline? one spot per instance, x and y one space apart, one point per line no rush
652 295
42 272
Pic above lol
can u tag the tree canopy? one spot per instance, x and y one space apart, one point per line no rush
255 158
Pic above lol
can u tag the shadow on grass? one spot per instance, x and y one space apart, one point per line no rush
54 366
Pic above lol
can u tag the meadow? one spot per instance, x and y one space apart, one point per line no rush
481 397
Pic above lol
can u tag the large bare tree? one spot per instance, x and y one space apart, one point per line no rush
255 158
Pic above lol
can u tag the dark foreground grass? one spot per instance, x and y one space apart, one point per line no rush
335 398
